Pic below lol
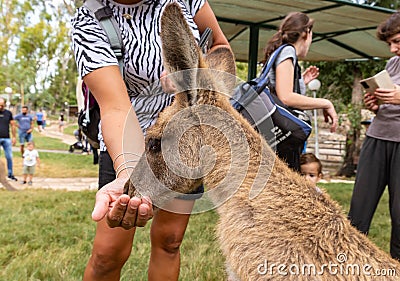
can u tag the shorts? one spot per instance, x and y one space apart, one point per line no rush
29 170
24 137
107 175
39 123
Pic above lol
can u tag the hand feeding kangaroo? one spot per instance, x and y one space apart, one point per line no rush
288 230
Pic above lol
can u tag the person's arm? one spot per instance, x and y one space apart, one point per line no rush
13 132
205 18
284 91
31 128
125 144
16 121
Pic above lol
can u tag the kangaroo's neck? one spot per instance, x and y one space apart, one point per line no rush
243 162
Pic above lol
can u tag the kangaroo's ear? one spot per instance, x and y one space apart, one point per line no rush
181 53
180 49
223 60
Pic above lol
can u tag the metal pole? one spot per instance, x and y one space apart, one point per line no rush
253 51
316 147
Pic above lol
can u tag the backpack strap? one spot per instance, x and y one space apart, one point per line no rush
250 90
264 73
264 79
297 76
105 17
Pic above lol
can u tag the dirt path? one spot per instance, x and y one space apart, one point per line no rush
52 131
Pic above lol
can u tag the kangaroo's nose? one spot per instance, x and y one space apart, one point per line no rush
153 145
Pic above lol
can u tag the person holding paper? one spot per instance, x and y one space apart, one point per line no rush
379 161
391 96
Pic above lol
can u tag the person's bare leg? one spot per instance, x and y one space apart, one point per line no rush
22 149
111 249
167 231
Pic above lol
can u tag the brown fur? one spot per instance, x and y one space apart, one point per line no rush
289 222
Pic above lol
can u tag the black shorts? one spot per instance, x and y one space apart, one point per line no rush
107 175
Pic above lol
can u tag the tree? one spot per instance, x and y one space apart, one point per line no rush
384 3
35 49
341 86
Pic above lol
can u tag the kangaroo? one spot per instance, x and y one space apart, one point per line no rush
273 225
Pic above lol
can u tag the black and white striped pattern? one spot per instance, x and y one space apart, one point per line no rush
142 50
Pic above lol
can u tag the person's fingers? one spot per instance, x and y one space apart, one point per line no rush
163 83
129 219
167 85
374 107
334 125
371 104
145 212
326 117
117 212
147 200
143 215
170 86
101 206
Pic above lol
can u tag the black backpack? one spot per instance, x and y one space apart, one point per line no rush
275 121
89 116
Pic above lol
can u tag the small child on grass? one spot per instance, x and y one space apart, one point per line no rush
31 159
311 168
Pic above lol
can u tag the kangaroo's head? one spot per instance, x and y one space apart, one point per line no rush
192 138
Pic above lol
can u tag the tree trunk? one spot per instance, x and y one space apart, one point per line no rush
353 143
349 166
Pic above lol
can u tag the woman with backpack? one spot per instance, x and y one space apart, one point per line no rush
126 112
296 31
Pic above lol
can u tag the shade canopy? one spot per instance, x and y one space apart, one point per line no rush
342 29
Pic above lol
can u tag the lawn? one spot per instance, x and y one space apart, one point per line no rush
59 165
56 165
47 235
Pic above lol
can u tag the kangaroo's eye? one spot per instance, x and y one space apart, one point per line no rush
153 145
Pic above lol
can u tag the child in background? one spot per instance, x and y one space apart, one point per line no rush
61 123
31 157
311 167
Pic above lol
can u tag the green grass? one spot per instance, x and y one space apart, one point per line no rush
57 165
69 129
43 142
47 235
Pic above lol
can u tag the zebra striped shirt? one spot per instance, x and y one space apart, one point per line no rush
142 50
